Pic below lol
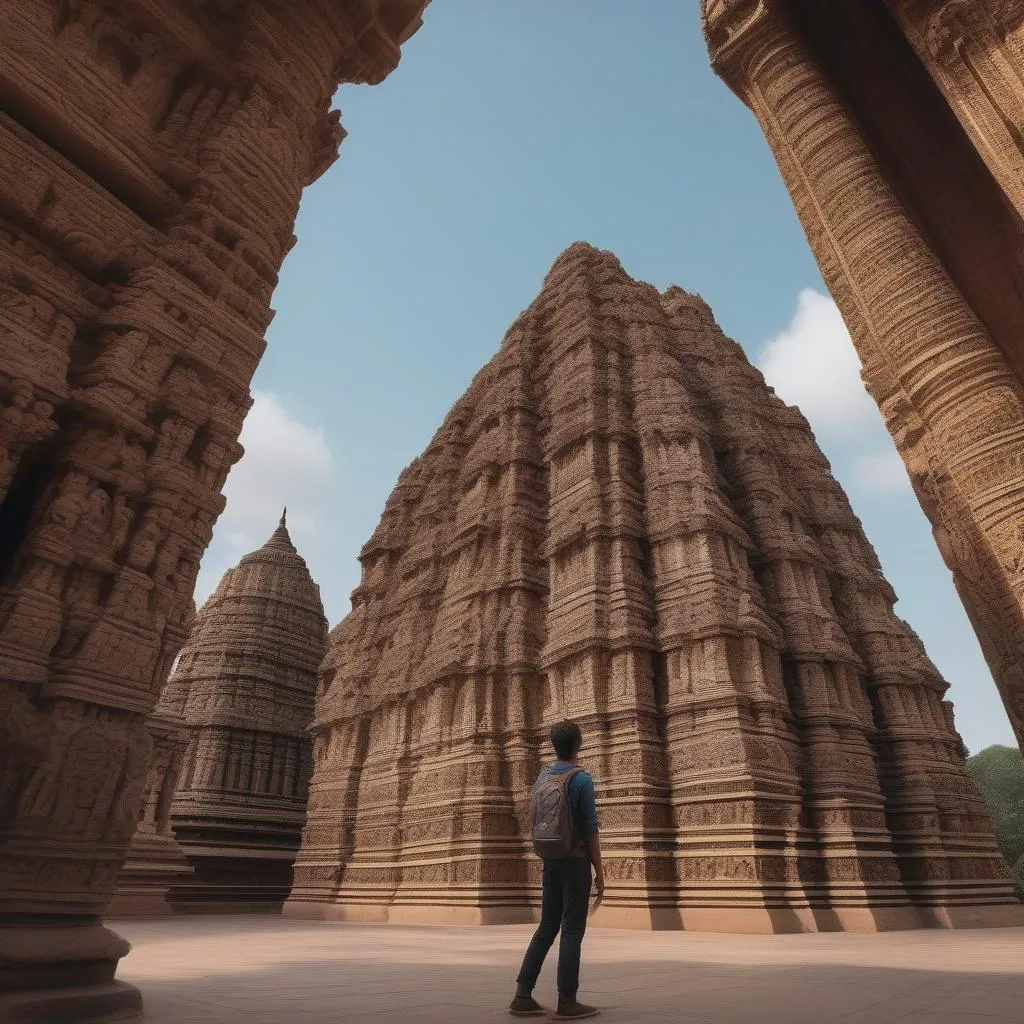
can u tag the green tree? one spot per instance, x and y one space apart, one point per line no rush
998 772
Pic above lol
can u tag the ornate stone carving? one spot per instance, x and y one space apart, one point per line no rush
735 29
142 225
244 685
619 522
155 859
939 345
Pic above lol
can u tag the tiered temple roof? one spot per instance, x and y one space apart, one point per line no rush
619 522
245 686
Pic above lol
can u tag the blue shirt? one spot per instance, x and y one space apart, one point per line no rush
581 798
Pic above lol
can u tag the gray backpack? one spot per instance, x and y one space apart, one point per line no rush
551 814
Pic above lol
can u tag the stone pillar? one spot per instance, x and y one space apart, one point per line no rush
152 162
927 358
975 54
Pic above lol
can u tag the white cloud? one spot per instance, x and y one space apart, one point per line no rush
812 363
286 462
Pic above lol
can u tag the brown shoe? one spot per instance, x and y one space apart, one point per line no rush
526 1006
573 1011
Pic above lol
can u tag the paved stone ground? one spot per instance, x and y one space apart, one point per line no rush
273 970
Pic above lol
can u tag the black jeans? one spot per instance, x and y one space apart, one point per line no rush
564 905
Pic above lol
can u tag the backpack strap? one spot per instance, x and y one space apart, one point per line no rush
562 778
566 777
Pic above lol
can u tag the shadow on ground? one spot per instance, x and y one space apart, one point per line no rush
230 972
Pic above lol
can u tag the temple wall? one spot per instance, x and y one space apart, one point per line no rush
155 859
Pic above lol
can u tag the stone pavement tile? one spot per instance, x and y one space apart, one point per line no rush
649 1013
989 1005
933 993
277 971
437 1013
800 997
678 1007
164 1010
993 996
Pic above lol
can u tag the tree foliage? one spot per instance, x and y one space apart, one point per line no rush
998 772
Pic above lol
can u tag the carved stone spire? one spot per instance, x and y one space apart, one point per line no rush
281 539
246 681
620 523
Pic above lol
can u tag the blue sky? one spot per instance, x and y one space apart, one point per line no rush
510 130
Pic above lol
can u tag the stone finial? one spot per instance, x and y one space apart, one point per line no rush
281 538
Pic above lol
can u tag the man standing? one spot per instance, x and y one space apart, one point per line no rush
564 813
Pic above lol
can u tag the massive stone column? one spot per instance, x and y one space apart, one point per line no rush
619 522
152 157
952 397
244 688
975 54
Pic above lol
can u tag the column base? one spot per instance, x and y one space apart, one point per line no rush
60 970
85 1004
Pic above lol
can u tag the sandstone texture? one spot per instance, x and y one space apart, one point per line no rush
155 858
152 158
244 685
619 522
898 127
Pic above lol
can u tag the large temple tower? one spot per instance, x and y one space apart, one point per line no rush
621 523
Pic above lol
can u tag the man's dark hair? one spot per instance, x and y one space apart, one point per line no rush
567 739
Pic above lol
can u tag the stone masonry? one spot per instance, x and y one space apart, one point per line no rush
155 857
898 126
245 685
619 522
152 158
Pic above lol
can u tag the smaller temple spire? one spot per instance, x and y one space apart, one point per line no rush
280 537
